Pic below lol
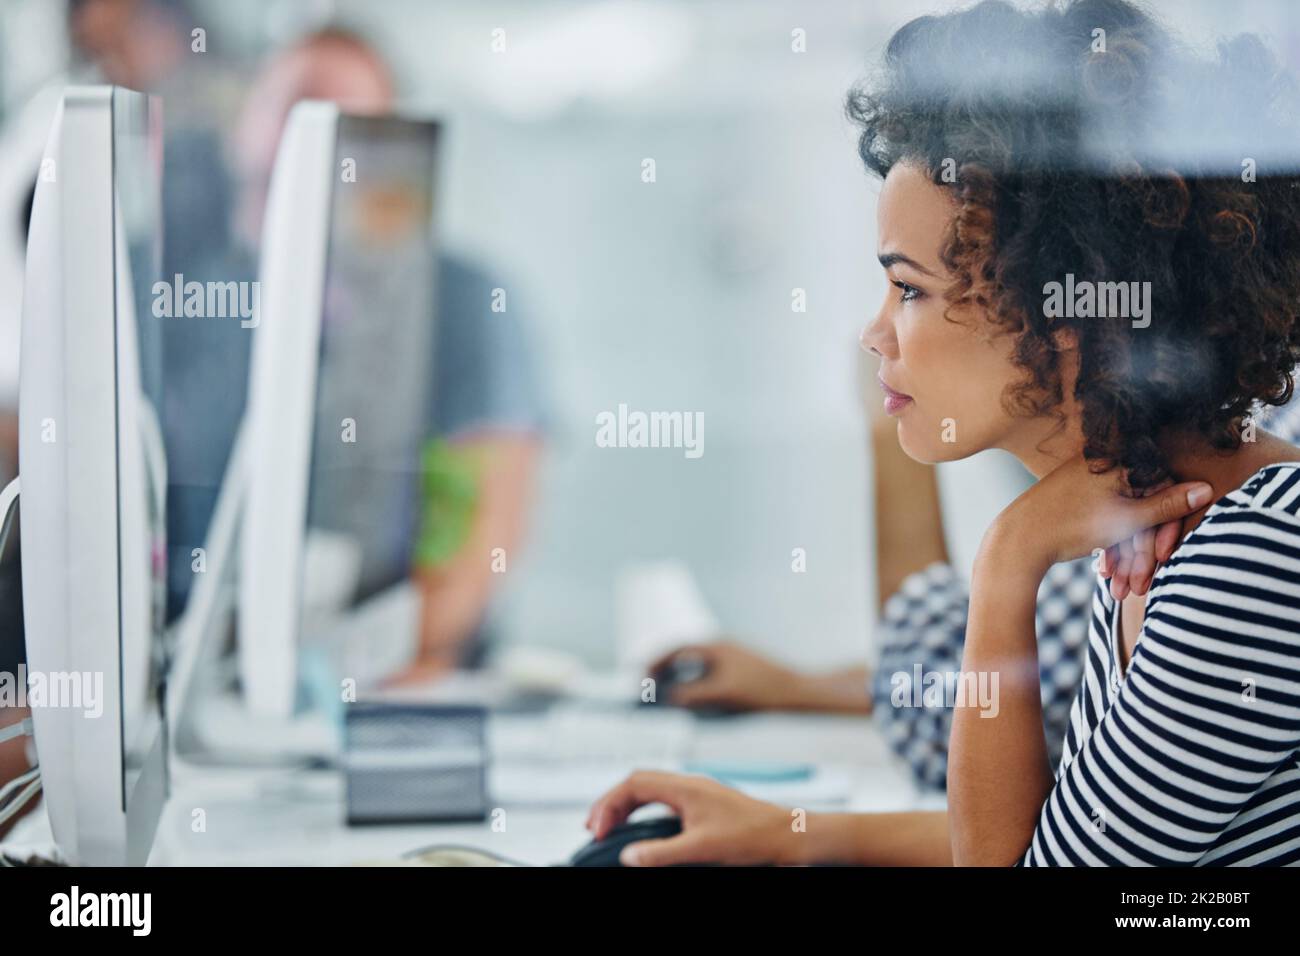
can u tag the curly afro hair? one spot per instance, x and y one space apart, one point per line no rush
1079 138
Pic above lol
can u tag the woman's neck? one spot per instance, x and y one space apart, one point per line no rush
1191 458
1043 448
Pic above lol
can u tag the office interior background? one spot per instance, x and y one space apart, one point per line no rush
671 295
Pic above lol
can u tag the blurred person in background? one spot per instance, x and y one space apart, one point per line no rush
485 421
135 43
143 45
487 403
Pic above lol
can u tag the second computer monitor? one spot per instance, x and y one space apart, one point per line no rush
341 385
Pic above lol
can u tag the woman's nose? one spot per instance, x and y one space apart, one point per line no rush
875 335
864 340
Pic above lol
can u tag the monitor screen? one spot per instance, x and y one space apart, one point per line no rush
376 363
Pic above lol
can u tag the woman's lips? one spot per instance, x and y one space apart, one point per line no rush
895 402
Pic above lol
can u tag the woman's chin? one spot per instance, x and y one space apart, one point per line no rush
928 446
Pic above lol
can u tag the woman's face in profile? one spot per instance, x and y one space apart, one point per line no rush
943 379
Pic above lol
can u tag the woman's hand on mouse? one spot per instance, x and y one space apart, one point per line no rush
719 824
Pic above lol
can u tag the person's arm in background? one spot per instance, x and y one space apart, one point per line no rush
455 592
488 424
742 679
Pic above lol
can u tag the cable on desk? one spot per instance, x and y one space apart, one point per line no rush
462 848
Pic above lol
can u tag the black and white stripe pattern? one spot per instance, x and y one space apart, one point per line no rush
1191 756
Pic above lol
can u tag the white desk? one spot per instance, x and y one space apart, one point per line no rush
283 817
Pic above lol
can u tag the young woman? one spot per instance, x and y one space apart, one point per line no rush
1023 154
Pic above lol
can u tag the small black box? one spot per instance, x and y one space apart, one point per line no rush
408 763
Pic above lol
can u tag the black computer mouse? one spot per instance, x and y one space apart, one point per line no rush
605 852
676 671
684 668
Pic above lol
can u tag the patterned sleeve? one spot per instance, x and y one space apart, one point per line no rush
922 630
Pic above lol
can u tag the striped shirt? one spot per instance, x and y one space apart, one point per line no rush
1191 756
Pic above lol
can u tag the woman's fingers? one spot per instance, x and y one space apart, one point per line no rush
1167 538
1144 561
1148 549
1128 516
1176 502
1119 583
642 787
1125 517
1168 506
705 692
686 847
1138 554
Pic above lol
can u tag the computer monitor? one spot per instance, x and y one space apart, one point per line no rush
93 477
340 384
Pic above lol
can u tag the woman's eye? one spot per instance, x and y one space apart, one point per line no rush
910 292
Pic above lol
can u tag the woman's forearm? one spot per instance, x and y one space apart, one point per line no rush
998 771
911 838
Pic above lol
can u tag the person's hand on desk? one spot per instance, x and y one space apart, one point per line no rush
738 678
719 825
425 669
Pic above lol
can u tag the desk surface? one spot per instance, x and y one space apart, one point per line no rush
296 817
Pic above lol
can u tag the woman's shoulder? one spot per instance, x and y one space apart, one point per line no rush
1274 489
1242 562
1221 630
1261 515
